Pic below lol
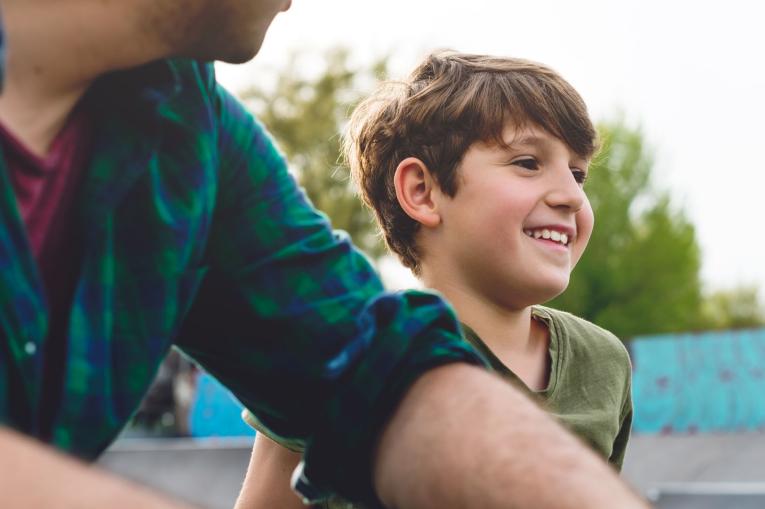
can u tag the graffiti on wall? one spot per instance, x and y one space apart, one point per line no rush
701 382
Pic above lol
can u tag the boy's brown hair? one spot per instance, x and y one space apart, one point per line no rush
450 101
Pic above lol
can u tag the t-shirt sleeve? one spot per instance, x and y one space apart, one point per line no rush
622 438
254 422
295 322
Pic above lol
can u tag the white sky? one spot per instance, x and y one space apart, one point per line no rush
691 73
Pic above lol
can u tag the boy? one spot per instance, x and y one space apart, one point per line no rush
475 168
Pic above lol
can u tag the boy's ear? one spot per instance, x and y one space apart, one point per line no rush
415 188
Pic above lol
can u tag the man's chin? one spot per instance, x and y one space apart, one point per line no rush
230 53
238 58
245 51
238 55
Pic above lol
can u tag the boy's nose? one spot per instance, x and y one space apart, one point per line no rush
566 192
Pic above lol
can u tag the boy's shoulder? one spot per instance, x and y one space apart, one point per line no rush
584 336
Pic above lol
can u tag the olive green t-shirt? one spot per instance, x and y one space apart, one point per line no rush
588 389
590 381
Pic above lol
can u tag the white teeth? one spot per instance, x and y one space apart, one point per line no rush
544 233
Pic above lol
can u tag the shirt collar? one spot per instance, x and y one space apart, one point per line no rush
161 81
155 83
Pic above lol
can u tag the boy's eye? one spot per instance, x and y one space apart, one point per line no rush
579 175
527 162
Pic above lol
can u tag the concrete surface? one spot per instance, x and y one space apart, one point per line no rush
654 460
678 471
704 471
710 496
207 473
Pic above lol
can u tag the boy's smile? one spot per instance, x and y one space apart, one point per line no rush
519 222
555 234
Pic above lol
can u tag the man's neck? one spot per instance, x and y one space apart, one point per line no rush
36 123
55 50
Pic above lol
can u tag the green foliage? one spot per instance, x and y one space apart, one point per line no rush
640 272
306 115
735 308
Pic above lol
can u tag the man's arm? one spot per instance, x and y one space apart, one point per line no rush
456 420
463 438
294 320
33 476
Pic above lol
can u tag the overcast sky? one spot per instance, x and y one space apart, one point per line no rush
691 73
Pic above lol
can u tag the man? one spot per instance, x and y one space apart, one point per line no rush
140 205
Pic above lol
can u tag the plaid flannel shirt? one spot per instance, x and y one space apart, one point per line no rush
196 234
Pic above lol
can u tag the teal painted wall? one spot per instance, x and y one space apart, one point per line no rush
216 412
703 382
682 383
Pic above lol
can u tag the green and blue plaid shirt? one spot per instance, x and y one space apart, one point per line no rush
195 234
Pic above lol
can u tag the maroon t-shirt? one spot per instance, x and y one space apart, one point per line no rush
45 194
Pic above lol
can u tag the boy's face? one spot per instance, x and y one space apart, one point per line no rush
520 219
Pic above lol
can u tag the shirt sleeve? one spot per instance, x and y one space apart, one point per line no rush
254 422
623 437
294 320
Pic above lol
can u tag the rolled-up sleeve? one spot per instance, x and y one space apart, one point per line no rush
294 320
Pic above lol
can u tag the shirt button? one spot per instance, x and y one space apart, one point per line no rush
30 348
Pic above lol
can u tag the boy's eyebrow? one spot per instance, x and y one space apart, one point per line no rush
527 140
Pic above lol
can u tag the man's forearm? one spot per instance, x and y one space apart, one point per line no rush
464 438
33 476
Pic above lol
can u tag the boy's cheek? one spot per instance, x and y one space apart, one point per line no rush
585 223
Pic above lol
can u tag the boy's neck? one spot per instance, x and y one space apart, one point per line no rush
515 338
494 323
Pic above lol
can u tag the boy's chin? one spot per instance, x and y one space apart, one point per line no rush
548 293
529 298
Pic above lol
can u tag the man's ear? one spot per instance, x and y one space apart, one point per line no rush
415 188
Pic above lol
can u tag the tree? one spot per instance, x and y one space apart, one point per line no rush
306 115
640 272
734 308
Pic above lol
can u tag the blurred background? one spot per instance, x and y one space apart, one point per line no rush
674 267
